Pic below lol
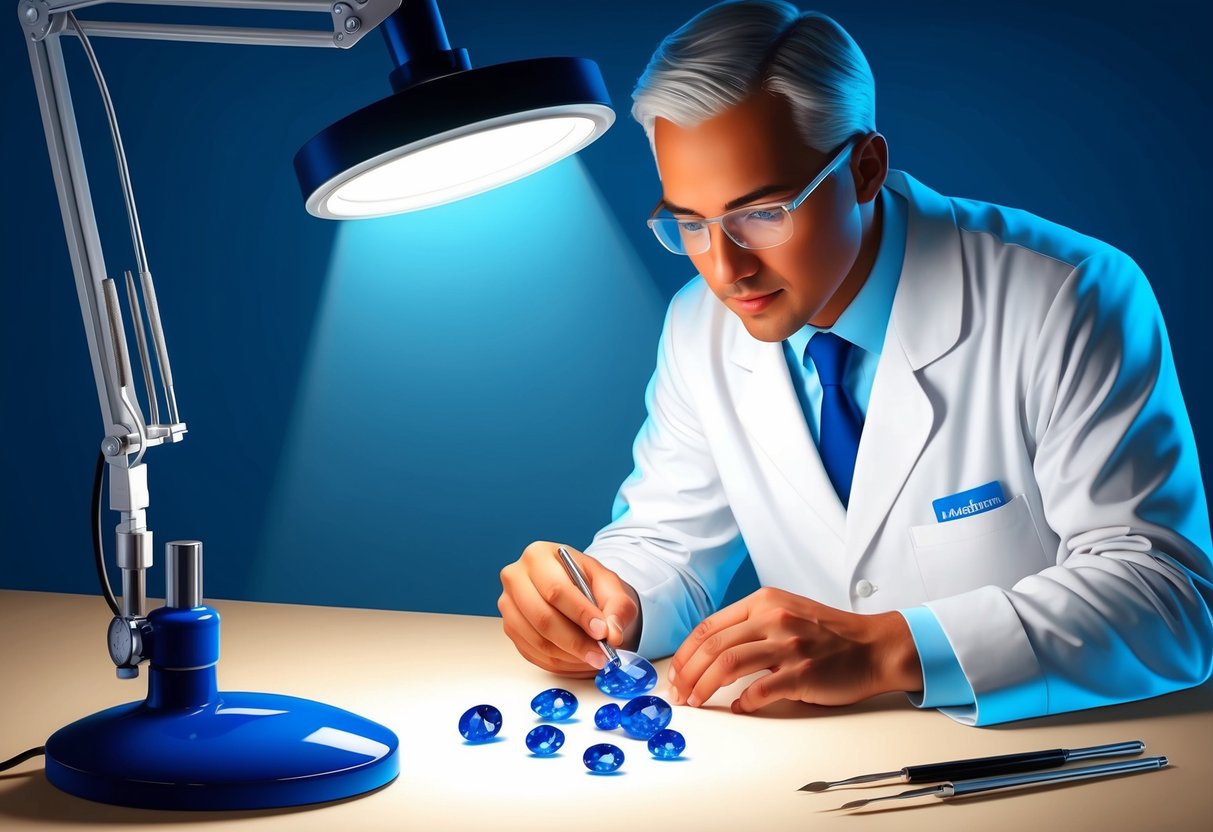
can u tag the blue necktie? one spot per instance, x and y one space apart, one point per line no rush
841 422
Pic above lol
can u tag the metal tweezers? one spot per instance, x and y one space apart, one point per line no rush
964 787
987 766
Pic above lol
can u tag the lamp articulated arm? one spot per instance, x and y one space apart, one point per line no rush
128 432
446 131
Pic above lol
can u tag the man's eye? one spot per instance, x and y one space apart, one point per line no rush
763 215
690 226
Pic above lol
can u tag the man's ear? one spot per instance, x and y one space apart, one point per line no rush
869 166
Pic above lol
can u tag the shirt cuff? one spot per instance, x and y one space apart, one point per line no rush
943 681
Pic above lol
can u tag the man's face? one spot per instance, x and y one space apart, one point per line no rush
752 151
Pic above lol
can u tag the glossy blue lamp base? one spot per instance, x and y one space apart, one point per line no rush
189 746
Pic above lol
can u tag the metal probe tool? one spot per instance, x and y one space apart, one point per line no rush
985 784
578 578
986 766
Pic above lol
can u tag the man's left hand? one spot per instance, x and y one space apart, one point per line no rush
815 653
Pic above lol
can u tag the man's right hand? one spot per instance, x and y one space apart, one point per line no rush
552 624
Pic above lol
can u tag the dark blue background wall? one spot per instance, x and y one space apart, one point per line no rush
383 414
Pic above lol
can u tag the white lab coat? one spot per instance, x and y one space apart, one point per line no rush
1017 351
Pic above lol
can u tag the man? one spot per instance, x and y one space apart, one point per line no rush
948 434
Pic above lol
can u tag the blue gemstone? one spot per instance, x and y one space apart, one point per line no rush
554 703
607 717
632 677
603 758
480 723
545 740
667 744
644 716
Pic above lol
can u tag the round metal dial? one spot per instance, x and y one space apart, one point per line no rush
122 639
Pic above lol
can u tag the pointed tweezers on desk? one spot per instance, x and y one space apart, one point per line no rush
984 784
987 766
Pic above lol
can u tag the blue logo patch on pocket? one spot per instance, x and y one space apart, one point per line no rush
974 501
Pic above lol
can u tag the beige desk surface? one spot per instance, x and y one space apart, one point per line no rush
416 673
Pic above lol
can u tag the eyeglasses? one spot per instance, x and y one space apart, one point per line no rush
752 227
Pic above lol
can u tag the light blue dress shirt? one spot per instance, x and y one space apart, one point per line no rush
863 323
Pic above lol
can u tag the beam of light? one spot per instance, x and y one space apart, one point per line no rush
473 383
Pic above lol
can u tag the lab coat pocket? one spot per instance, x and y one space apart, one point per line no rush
996 547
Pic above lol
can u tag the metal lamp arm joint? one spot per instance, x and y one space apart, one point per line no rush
351 20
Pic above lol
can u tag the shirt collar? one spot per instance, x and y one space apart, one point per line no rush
866 317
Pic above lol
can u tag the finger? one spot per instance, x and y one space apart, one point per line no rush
730 665
547 654
552 624
533 646
578 670
556 588
730 616
782 684
707 653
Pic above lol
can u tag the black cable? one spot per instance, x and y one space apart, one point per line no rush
98 553
22 757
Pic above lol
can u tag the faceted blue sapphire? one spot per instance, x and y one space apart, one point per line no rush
603 758
644 716
607 717
480 724
545 740
667 744
554 703
633 676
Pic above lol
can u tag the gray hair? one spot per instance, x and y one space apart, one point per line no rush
734 48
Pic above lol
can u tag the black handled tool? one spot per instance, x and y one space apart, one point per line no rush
1010 781
986 766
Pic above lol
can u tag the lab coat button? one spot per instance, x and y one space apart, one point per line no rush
864 588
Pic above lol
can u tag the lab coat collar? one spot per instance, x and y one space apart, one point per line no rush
866 319
925 324
928 303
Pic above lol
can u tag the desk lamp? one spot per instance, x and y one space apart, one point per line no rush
445 132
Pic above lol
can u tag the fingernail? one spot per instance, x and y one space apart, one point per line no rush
598 628
670 676
614 622
693 701
595 659
674 695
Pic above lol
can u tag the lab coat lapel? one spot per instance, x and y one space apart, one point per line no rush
925 323
771 414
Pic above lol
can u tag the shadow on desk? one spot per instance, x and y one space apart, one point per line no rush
29 796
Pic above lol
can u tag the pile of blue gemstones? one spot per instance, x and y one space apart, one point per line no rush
642 717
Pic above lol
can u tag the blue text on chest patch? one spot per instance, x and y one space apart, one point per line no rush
966 503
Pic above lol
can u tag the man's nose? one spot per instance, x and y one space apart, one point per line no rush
730 261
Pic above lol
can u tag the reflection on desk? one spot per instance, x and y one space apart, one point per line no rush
417 672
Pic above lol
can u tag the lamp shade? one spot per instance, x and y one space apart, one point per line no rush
453 136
